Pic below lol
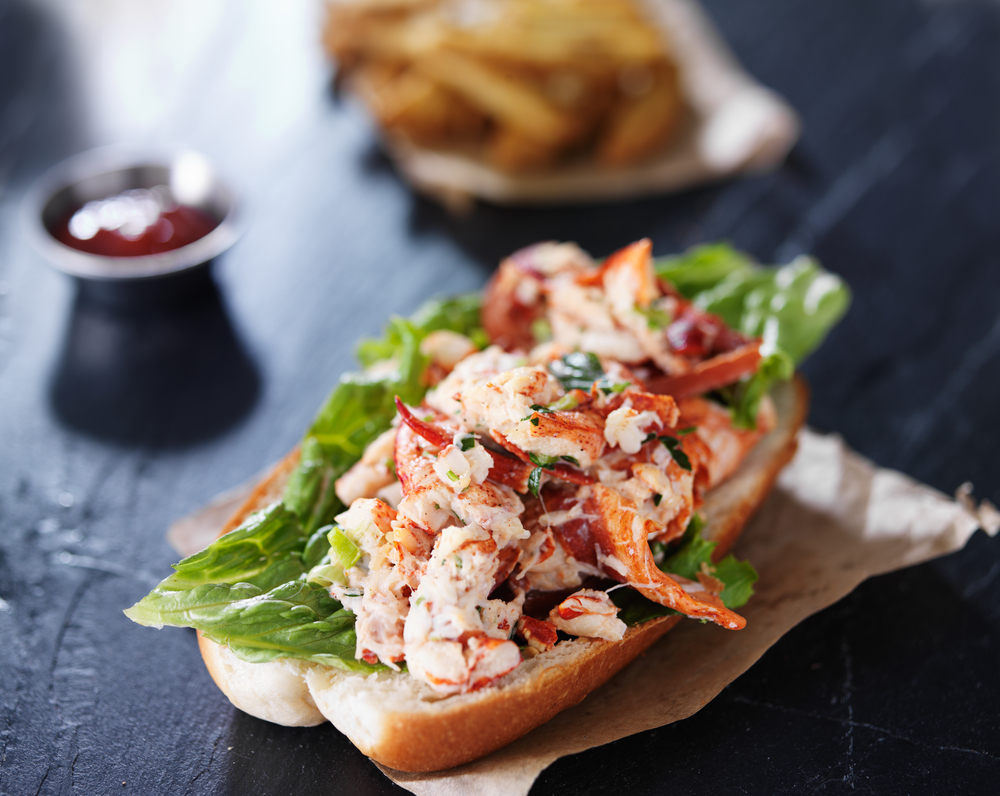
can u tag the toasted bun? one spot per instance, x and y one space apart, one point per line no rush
390 716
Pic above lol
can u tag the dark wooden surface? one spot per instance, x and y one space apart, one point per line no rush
114 422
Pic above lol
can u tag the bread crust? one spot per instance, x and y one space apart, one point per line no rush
391 716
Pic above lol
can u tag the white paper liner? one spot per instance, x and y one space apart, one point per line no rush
735 125
833 520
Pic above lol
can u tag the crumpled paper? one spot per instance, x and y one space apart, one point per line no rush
734 125
832 520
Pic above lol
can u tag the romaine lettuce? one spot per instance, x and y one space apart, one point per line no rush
268 546
702 267
792 307
743 398
293 619
456 314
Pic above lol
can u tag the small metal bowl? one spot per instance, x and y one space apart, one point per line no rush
99 173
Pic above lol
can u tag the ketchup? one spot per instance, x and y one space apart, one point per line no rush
134 223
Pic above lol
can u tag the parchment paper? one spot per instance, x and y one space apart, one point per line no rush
735 125
833 520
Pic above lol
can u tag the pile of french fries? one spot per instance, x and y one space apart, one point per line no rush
524 84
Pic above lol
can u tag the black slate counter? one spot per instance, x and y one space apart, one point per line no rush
116 421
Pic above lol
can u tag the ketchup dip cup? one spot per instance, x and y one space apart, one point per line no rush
100 173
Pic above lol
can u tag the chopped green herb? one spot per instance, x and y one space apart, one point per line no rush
649 437
451 475
458 562
673 445
540 460
577 371
686 430
582 370
539 409
468 443
535 481
419 600
657 498
570 459
569 401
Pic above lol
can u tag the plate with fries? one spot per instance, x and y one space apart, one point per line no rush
549 101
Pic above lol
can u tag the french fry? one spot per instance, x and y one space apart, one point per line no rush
493 92
557 33
428 113
395 39
509 149
641 124
530 82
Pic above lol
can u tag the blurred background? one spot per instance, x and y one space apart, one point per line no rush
117 420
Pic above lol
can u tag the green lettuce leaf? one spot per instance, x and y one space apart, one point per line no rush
294 619
455 314
358 410
266 547
743 398
702 267
634 609
792 307
739 578
316 548
265 552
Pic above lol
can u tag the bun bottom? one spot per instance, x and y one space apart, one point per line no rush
402 723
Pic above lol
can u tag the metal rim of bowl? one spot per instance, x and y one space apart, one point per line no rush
93 163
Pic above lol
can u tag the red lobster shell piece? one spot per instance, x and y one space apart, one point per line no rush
506 470
508 312
433 434
561 471
711 373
